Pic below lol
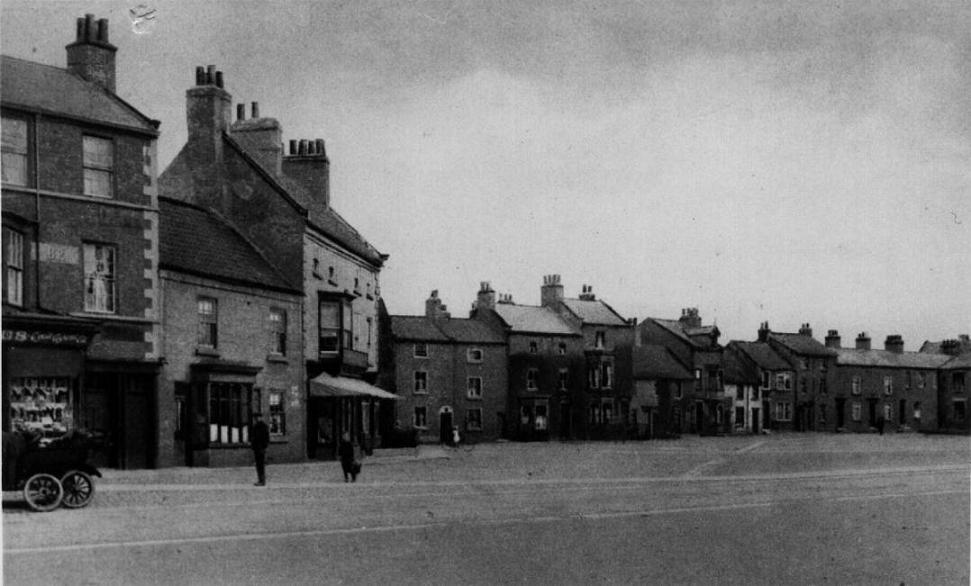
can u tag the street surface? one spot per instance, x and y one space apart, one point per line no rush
780 509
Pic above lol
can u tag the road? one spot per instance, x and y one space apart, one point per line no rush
702 513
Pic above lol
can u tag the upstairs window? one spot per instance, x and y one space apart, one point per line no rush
421 350
334 323
14 258
600 340
474 387
594 374
15 159
474 355
564 378
421 382
783 380
99 162
856 386
766 379
532 379
533 347
561 349
278 331
607 375
888 385
99 278
208 311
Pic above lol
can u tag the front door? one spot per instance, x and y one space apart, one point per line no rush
840 413
565 420
445 427
872 411
755 421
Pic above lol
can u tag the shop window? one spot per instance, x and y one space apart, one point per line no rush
278 416
473 419
420 418
42 405
208 312
14 258
421 350
99 278
230 412
532 379
783 411
15 162
421 382
474 387
99 162
278 331
474 355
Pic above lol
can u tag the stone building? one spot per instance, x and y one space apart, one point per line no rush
771 399
953 380
232 345
281 203
703 407
812 365
449 374
742 389
80 252
659 381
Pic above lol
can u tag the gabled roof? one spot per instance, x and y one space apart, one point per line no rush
738 371
469 331
801 344
763 355
416 328
653 362
594 312
886 358
44 88
419 328
197 241
689 335
960 362
322 217
533 320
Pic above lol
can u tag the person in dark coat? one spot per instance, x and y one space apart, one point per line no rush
260 441
345 451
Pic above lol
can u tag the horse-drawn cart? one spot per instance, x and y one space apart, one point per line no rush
52 475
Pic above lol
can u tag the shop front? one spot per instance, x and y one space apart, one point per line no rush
339 405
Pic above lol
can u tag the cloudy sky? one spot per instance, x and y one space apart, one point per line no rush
783 161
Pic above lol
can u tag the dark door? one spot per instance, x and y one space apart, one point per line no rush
565 420
445 427
755 421
872 411
840 413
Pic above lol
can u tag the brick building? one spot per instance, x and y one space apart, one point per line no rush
892 385
607 342
448 373
546 368
659 381
953 380
703 407
80 249
282 205
812 367
772 398
232 345
742 389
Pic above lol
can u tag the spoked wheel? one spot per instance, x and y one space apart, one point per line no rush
78 489
43 492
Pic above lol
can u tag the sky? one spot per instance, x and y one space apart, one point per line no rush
790 162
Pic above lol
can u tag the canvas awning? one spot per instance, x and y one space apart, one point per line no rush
325 385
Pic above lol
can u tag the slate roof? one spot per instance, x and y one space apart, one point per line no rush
738 371
763 355
594 312
197 241
656 362
416 328
534 320
469 331
688 334
45 88
800 344
425 329
886 358
960 362
322 217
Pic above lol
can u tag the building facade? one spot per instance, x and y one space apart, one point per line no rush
80 248
659 381
771 399
812 371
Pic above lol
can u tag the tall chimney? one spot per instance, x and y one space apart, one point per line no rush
764 331
551 293
863 341
690 318
208 115
486 298
894 343
265 138
805 330
309 165
833 339
91 56
434 308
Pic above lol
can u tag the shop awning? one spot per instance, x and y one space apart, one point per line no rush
325 385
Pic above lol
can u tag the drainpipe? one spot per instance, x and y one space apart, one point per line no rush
36 174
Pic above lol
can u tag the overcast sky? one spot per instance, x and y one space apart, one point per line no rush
783 161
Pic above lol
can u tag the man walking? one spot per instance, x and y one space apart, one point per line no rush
259 441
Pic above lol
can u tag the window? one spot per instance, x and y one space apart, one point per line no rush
278 417
208 311
15 160
595 413
474 387
533 347
856 386
99 161
917 412
697 374
766 379
357 285
542 419
739 416
678 390
607 410
370 330
532 379
957 381
421 382
902 412
561 349
14 259
420 419
278 331
920 380
594 374
960 410
421 350
229 413
888 386
783 411
564 378
600 339
607 375
857 411
334 325
755 394
783 380
473 355
99 278
822 414
316 269
473 419
887 412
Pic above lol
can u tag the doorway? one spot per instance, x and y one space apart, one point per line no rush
840 413
445 425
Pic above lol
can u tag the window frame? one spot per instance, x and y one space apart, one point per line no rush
13 262
470 355
340 331
277 413
230 407
423 352
96 168
91 304
278 331
10 152
420 380
473 419
888 385
783 411
532 379
420 422
207 322
533 347
473 391
856 385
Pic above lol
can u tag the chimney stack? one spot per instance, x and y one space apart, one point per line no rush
764 331
690 318
265 136
863 341
551 293
486 298
587 293
894 343
308 164
951 347
91 56
434 308
805 330
833 339
208 115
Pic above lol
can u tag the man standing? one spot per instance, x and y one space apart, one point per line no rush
259 441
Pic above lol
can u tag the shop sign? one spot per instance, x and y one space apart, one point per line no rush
35 337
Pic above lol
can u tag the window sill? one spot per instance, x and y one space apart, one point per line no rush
332 282
207 351
279 439
317 276
277 358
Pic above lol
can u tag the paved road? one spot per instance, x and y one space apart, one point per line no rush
730 512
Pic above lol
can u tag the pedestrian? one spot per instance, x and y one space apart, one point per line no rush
345 451
259 441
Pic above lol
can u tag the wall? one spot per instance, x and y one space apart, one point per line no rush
440 368
872 389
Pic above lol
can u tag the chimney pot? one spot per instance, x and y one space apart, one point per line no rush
255 110
200 75
210 75
303 146
89 31
219 79
320 147
103 30
80 34
293 146
240 112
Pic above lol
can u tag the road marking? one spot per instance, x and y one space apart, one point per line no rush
423 526
750 448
